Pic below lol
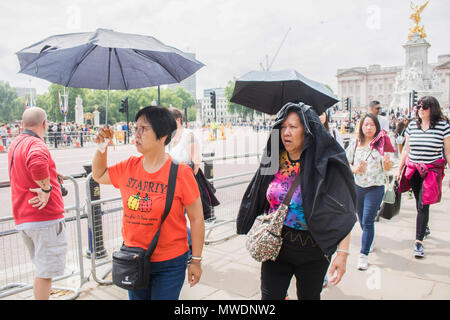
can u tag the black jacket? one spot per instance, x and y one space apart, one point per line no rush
207 194
327 183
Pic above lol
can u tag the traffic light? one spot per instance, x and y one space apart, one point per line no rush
213 99
124 106
414 98
346 103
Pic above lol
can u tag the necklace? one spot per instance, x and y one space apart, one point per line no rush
293 161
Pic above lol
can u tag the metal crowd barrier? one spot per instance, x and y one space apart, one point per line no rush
74 139
103 228
16 267
105 219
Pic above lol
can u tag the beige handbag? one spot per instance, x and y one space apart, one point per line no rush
264 238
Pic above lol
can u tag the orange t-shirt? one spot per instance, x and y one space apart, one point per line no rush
144 199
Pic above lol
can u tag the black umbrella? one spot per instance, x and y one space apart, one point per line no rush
268 91
106 60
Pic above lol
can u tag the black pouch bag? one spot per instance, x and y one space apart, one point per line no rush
390 210
131 265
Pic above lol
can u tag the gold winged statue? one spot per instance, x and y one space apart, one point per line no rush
415 16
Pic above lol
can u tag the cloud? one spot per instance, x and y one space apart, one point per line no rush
233 36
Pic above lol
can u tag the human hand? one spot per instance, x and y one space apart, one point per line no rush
338 268
194 273
102 138
40 200
398 176
60 178
102 135
362 166
387 164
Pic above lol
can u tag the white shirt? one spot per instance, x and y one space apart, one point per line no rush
384 123
179 151
426 146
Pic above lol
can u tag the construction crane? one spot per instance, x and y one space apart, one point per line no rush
267 68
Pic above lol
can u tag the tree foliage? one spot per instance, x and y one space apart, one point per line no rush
12 107
232 107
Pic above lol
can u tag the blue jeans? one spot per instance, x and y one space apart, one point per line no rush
368 201
166 280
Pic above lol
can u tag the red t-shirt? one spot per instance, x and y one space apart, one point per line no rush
32 161
144 199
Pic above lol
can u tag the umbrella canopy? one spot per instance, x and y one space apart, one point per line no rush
106 59
268 91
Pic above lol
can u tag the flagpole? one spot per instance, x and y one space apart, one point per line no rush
65 107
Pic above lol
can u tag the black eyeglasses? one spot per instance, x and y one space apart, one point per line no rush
423 107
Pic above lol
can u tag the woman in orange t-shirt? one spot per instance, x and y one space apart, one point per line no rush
143 185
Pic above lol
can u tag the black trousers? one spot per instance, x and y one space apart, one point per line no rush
299 256
423 211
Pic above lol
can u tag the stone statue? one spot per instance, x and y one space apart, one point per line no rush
96 114
415 16
79 110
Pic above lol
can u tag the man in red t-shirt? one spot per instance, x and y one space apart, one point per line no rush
37 202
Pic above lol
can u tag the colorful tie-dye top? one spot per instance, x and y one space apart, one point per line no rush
278 189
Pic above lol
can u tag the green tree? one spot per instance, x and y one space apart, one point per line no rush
137 98
53 111
187 99
232 107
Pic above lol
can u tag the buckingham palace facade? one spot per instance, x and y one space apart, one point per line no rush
375 82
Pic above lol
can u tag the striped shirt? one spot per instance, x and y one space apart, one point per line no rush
426 146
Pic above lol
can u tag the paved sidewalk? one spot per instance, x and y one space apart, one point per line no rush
230 274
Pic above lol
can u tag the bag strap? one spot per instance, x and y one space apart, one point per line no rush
354 151
14 153
169 198
292 189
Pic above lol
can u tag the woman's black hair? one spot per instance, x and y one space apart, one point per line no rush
326 125
161 119
377 125
435 113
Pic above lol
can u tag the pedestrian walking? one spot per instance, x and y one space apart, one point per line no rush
183 146
143 185
369 168
321 212
399 132
3 134
334 133
37 203
375 109
427 143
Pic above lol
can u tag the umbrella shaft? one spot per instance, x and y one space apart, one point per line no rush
109 86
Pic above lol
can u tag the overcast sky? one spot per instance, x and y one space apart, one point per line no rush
232 37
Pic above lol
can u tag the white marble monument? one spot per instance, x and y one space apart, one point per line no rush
79 111
96 114
417 74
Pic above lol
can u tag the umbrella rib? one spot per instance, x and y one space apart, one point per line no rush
151 58
121 69
85 54
40 55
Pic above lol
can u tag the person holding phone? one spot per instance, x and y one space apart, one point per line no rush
368 167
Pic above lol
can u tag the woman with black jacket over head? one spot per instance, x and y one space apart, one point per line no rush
321 213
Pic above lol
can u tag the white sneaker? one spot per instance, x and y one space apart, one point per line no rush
363 262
